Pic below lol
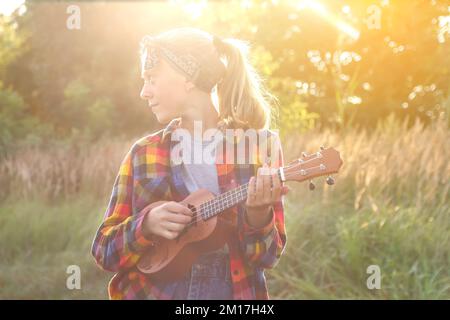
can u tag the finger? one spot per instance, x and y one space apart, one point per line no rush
276 192
176 207
170 234
266 184
251 190
174 227
285 190
259 196
178 218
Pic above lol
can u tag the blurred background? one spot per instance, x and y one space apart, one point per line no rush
369 78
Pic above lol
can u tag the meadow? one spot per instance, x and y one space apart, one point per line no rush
389 207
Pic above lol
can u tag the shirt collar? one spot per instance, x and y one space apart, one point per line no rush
170 128
176 123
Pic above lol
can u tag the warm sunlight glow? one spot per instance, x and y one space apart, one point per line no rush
321 10
193 8
7 7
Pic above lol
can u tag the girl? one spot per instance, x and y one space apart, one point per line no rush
183 70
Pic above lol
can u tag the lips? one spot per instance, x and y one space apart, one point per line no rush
153 105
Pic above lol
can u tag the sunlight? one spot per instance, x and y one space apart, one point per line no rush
8 7
321 10
193 8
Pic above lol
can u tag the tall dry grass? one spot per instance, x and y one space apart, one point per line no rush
392 159
61 172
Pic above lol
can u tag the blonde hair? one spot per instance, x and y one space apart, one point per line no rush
243 100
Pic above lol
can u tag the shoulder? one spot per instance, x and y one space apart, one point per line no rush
158 138
147 158
152 139
145 144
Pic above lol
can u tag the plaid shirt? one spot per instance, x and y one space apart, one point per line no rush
146 176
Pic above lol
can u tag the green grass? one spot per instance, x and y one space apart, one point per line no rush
330 245
40 240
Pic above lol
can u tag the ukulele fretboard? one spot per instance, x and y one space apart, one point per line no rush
223 201
226 200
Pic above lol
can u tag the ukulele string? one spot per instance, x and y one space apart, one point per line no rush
203 206
210 205
223 199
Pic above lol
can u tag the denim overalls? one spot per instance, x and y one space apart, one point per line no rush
208 279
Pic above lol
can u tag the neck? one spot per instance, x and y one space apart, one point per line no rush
203 112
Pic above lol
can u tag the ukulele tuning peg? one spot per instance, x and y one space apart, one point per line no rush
322 148
330 180
311 185
304 155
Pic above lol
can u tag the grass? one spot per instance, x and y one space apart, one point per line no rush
389 207
43 240
330 247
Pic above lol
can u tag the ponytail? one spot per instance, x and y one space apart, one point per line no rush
243 100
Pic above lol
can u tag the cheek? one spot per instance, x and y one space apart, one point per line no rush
173 96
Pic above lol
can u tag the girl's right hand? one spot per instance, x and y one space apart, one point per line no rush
167 220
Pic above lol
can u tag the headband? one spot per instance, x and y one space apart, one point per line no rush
186 64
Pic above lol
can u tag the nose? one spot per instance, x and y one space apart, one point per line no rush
146 93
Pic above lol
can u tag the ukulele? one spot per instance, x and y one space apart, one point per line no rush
169 260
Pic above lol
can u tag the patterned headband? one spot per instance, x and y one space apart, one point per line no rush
185 63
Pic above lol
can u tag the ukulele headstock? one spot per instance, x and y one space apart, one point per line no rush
324 162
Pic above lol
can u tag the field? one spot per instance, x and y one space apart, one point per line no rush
389 207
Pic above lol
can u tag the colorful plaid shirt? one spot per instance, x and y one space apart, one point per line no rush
146 176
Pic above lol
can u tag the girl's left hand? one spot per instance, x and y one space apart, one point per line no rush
263 192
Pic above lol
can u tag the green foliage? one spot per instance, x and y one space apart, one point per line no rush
99 116
294 115
76 98
10 43
82 80
16 123
83 111
289 113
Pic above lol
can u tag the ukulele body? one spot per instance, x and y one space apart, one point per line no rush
170 260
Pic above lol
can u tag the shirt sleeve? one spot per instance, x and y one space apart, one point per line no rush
120 241
264 246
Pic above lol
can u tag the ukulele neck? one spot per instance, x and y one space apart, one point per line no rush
227 200
323 162
223 201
